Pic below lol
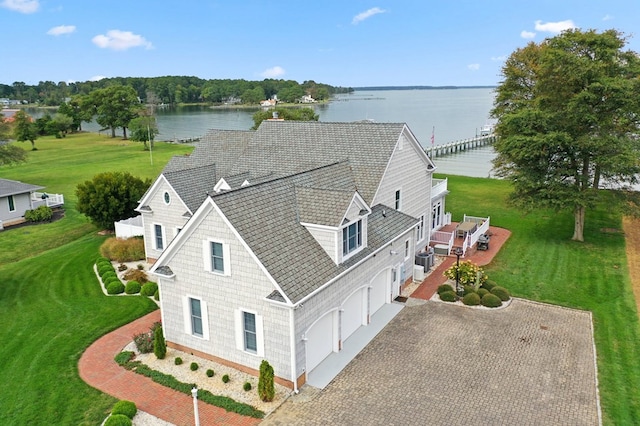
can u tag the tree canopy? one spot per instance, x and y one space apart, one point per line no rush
114 106
293 114
568 115
110 197
24 129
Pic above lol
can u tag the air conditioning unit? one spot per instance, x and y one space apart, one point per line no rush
418 273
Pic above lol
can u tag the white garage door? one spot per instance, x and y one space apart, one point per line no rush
353 314
320 339
379 292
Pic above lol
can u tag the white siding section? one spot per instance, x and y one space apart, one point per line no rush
328 240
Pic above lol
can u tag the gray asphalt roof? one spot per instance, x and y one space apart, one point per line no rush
322 206
193 184
14 187
267 217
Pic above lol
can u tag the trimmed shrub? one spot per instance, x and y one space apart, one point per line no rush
101 263
468 289
105 269
489 284
111 280
136 275
444 287
226 378
471 299
40 214
102 259
124 357
149 289
448 296
193 366
127 408
132 287
115 288
482 291
210 373
107 275
122 250
490 301
177 361
118 420
266 387
501 292
159 344
246 386
156 296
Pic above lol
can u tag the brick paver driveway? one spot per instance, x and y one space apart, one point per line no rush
438 364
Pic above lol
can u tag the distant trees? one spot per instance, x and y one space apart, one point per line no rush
293 114
114 106
144 128
567 113
110 197
24 129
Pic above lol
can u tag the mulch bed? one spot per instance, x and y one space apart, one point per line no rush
58 214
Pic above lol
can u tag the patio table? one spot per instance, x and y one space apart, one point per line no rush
465 227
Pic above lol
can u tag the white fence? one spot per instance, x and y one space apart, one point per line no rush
44 199
471 239
131 227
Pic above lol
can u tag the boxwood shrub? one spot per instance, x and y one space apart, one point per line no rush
156 296
107 276
132 287
117 288
177 361
246 386
490 301
210 373
444 287
468 289
149 289
482 291
128 408
193 366
105 269
118 420
489 284
471 299
448 296
501 292
226 378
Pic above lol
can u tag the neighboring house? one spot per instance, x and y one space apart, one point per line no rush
306 99
286 244
17 197
268 103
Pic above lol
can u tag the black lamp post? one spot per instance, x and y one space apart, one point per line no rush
458 287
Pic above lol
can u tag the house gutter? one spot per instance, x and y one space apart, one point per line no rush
292 338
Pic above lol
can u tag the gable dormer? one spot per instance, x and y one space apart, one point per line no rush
222 185
336 219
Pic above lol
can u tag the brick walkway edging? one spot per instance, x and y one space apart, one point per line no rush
98 369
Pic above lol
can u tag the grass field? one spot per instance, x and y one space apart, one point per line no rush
51 306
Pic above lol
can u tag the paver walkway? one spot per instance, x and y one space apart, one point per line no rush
99 370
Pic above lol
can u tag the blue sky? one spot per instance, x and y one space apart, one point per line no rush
342 43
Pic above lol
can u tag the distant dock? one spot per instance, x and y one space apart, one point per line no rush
459 146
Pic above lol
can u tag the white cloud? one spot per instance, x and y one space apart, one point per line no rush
120 40
366 14
607 17
473 67
97 78
555 27
273 72
498 58
62 29
22 6
527 34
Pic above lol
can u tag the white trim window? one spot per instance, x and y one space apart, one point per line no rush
351 238
420 229
158 236
196 319
216 257
407 250
249 332
398 200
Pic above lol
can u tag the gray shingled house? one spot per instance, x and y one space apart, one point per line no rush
17 197
282 243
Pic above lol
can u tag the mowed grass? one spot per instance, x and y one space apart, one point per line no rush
51 309
540 262
60 165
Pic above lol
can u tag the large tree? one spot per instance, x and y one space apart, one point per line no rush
24 128
568 115
110 197
115 106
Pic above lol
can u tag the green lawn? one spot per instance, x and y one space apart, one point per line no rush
540 262
59 165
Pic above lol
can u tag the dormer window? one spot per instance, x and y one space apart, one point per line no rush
352 238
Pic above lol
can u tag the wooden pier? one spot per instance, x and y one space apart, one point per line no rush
459 146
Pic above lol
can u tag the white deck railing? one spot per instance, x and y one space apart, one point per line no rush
445 238
483 227
439 186
43 198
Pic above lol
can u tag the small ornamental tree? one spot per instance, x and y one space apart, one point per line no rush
110 197
159 344
470 274
266 387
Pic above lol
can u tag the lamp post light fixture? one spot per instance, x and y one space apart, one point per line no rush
459 290
194 392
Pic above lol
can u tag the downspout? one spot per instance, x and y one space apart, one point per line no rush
292 336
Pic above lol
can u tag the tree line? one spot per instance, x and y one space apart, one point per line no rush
174 90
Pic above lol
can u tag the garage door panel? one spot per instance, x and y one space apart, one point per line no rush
378 292
319 341
352 314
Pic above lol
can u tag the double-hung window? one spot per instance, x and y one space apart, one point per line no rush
196 317
250 332
157 230
352 237
398 200
217 257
